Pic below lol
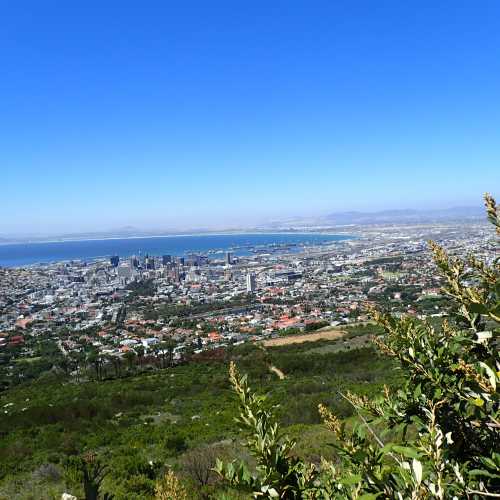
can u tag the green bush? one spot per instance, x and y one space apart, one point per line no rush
436 436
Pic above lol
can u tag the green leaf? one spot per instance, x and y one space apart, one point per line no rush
485 473
352 479
417 470
417 392
491 375
489 462
478 308
405 451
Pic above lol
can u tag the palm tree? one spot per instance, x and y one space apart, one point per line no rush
117 365
78 360
165 350
171 345
140 353
130 356
94 359
106 360
158 353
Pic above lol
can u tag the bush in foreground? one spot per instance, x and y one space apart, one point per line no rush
444 421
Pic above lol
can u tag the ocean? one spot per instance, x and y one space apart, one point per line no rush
25 254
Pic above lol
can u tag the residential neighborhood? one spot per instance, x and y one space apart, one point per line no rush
152 307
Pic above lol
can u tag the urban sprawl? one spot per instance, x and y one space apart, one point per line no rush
112 313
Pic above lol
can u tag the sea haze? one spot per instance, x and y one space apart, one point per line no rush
24 254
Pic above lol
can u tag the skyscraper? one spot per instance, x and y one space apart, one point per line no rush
251 283
114 259
229 258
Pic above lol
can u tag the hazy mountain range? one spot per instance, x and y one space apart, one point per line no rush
404 216
332 220
388 216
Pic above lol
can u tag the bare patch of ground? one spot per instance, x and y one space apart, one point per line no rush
329 334
343 345
161 417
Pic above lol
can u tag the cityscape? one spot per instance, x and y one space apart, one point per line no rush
120 306
249 250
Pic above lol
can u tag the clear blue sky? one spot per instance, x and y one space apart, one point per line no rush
181 114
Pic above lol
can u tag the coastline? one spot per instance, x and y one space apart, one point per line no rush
177 235
18 255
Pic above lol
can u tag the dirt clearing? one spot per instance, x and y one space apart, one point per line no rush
330 334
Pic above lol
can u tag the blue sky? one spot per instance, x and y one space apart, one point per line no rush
188 114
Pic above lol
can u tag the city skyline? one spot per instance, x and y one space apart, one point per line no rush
218 116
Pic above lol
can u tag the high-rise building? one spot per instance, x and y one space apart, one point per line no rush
125 271
166 259
176 275
114 259
193 259
193 275
229 258
251 283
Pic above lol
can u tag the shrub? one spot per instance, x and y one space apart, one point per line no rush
47 472
440 430
169 488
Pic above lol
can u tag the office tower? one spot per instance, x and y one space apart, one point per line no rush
166 259
229 258
251 283
193 275
193 259
176 275
134 262
114 259
125 271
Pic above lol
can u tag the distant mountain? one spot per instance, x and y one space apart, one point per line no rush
394 216
405 216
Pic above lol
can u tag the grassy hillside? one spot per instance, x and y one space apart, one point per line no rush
169 416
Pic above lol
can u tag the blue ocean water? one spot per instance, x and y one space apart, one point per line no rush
17 255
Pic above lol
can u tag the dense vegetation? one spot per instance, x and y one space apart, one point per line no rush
142 422
436 436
